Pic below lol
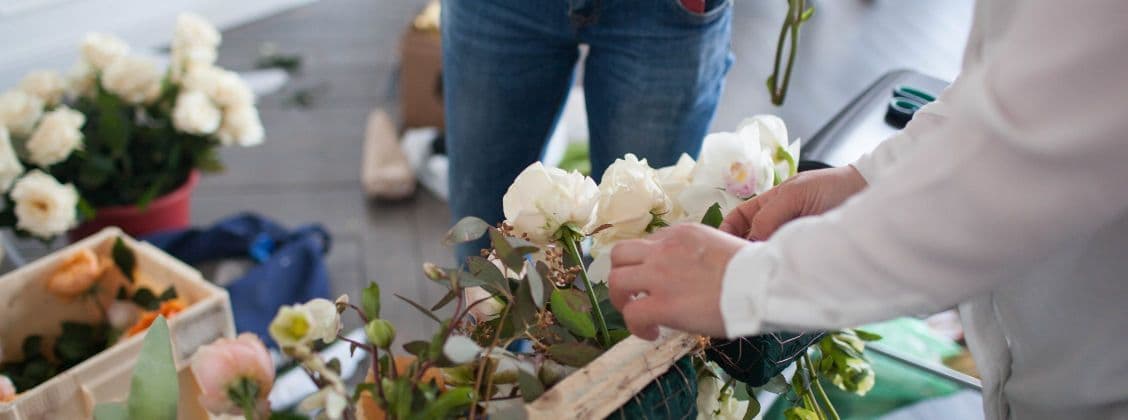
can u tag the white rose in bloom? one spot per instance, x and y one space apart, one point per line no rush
232 91
194 113
134 79
46 85
10 166
543 199
194 30
675 179
58 135
100 50
241 126
81 80
630 196
44 207
204 79
774 142
19 112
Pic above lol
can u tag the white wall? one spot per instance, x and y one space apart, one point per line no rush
45 33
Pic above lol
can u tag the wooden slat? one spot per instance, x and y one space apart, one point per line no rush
606 384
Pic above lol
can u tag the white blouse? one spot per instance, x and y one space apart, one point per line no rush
1007 196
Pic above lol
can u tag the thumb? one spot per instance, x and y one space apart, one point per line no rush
773 213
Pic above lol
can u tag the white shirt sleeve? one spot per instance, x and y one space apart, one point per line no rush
1030 156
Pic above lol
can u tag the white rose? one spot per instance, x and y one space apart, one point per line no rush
630 197
10 166
186 59
19 112
81 80
194 113
488 309
326 320
241 126
542 200
675 179
58 135
46 85
194 30
134 79
232 91
204 79
100 50
44 207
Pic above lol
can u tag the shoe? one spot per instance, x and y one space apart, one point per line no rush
385 172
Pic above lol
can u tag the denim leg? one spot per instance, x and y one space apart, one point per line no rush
507 68
653 78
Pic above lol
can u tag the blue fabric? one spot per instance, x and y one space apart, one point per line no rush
291 267
652 80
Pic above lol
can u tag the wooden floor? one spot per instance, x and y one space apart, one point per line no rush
309 167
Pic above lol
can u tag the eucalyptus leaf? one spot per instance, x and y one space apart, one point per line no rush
466 230
489 275
573 310
418 348
575 354
713 216
536 284
154 391
523 310
448 298
530 385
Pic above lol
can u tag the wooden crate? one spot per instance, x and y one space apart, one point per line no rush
608 382
26 308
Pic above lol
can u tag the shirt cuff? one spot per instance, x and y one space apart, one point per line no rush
744 290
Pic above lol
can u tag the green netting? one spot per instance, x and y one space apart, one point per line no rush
672 396
756 360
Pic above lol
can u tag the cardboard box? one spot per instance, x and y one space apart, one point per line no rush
26 308
420 78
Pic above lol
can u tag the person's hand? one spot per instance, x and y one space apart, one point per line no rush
806 194
672 278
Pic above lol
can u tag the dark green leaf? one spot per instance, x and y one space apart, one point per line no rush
531 386
113 123
713 216
168 294
449 402
418 348
618 335
572 308
370 301
111 411
523 310
511 251
124 258
488 274
421 308
575 354
542 271
611 316
466 230
753 408
146 299
448 298
537 285
85 210
866 335
154 391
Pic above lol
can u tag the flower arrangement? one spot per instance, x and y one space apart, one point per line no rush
117 130
529 310
123 303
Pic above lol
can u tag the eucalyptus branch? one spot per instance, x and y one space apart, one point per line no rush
482 367
571 246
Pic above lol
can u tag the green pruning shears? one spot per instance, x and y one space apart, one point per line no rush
905 102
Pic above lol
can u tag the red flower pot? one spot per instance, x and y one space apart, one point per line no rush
170 211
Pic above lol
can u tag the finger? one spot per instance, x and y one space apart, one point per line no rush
774 213
630 252
739 221
625 282
644 316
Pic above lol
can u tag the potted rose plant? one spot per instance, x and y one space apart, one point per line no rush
119 141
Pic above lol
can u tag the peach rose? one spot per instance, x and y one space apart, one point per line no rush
76 276
221 366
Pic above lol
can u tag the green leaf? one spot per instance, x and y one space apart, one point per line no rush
523 310
575 354
113 123
421 308
530 385
573 310
488 275
511 251
450 401
537 284
370 301
547 288
146 299
448 298
155 390
124 258
418 348
466 230
618 335
111 411
168 294
753 408
777 385
85 210
866 335
713 216
799 413
806 15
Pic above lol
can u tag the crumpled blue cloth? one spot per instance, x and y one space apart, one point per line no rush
290 264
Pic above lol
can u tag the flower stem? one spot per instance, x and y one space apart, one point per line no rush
571 242
249 412
821 393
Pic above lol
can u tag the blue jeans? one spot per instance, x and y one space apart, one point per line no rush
652 79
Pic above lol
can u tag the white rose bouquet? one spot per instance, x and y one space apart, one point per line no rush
117 130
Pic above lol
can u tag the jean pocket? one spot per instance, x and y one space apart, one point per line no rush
713 10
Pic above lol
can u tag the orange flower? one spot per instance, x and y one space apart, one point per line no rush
168 309
76 275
